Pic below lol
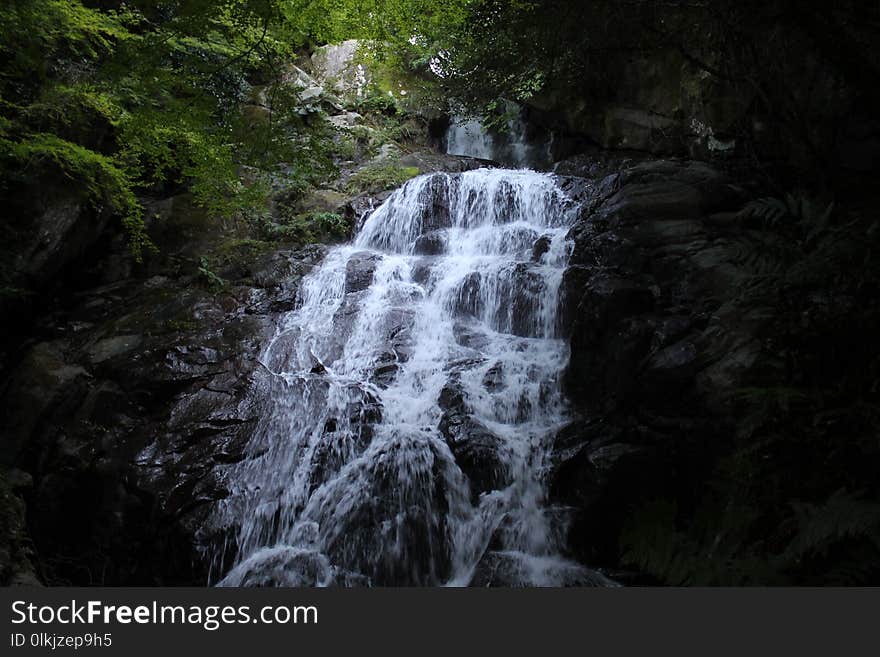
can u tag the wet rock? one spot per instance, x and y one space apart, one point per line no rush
360 207
398 535
517 297
345 437
479 453
113 347
542 245
470 336
468 302
433 243
125 425
493 380
401 343
384 374
421 272
359 271
282 566
431 161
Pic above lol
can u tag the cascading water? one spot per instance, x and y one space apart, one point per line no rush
413 395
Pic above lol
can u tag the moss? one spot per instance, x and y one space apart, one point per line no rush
239 251
103 182
181 325
378 178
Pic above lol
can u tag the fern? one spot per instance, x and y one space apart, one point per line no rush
713 553
213 282
843 516
770 210
795 208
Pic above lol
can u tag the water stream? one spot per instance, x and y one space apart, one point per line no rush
413 395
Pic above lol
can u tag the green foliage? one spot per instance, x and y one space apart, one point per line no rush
306 228
835 542
380 177
717 556
103 183
142 98
207 276
379 103
841 518
328 223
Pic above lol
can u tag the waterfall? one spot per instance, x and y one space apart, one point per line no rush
468 137
413 395
511 147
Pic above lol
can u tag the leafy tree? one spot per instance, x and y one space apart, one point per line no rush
124 98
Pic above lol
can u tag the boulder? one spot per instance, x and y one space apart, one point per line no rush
477 451
336 66
359 271
433 243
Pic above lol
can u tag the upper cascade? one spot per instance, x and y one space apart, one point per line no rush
514 146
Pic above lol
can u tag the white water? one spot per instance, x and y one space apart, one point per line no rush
350 479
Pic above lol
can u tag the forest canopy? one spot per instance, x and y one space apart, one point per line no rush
125 97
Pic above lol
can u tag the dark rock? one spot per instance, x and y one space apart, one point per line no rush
477 451
596 472
433 243
542 245
359 271
399 535
675 363
123 425
493 380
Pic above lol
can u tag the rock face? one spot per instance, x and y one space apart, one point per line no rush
659 342
336 68
158 364
661 103
650 265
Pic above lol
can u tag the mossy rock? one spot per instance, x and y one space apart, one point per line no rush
377 178
322 200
